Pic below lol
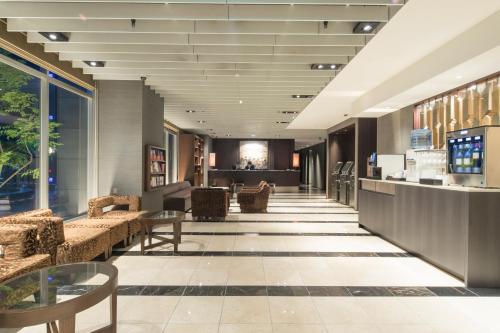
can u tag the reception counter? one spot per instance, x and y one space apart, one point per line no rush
455 228
282 178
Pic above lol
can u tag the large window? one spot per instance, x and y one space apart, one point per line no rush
171 147
19 140
46 140
68 114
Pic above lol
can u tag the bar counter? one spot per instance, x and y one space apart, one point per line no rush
253 177
453 227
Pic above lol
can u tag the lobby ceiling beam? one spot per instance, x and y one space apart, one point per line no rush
201 66
201 49
186 26
251 2
204 39
193 72
263 59
162 11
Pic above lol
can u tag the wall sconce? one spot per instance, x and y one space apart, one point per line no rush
296 160
211 160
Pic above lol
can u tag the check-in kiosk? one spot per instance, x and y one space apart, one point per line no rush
345 182
336 180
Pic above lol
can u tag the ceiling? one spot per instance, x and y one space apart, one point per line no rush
407 61
236 63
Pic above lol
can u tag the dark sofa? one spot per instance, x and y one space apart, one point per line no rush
177 196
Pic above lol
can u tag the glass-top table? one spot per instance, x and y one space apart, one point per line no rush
56 294
163 217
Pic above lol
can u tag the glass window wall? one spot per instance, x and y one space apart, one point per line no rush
38 109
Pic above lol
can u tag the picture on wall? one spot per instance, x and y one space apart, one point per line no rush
255 152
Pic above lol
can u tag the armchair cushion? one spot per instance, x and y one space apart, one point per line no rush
82 244
19 241
10 268
118 228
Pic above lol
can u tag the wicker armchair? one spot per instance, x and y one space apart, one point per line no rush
19 248
210 204
125 207
254 201
254 188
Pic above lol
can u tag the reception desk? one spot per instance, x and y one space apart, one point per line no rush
455 228
282 178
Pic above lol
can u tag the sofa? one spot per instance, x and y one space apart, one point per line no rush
62 242
19 244
210 204
177 196
122 208
254 200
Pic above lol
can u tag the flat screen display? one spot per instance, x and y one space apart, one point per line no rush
466 154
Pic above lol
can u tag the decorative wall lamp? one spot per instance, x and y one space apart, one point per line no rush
296 160
211 160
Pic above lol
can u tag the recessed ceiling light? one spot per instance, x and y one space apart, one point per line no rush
202 121
241 102
302 96
365 27
324 66
458 77
289 112
253 135
228 134
282 122
94 63
55 36
190 111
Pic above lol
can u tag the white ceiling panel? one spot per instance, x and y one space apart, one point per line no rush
236 62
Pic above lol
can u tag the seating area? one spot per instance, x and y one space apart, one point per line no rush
210 204
254 199
34 239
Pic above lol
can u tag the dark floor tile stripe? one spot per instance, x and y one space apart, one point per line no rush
263 222
296 291
261 254
204 233
302 213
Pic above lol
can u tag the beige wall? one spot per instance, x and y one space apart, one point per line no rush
393 131
130 116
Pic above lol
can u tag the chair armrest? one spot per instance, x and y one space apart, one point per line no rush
18 240
132 201
96 205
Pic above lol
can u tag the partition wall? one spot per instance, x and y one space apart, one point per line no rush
47 140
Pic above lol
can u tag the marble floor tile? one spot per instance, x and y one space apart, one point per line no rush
298 328
246 310
246 328
293 310
198 310
191 328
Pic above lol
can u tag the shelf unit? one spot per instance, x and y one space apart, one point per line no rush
191 159
156 168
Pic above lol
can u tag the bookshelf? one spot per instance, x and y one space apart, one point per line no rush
156 168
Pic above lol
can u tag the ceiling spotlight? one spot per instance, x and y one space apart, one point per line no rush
94 63
55 36
228 134
253 135
282 122
324 66
202 121
289 112
190 111
302 96
241 102
365 27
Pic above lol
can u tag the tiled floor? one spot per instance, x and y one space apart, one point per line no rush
306 266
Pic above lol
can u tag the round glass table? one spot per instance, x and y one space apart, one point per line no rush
54 295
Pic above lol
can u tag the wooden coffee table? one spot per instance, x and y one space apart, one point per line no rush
162 217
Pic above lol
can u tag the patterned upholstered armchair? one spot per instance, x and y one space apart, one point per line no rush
210 204
254 201
19 247
254 188
121 206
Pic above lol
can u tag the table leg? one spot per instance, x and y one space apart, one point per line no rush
143 238
113 311
150 234
177 235
67 325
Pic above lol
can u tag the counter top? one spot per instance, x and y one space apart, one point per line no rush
439 187
239 170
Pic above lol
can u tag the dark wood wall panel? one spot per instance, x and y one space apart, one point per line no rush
228 152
